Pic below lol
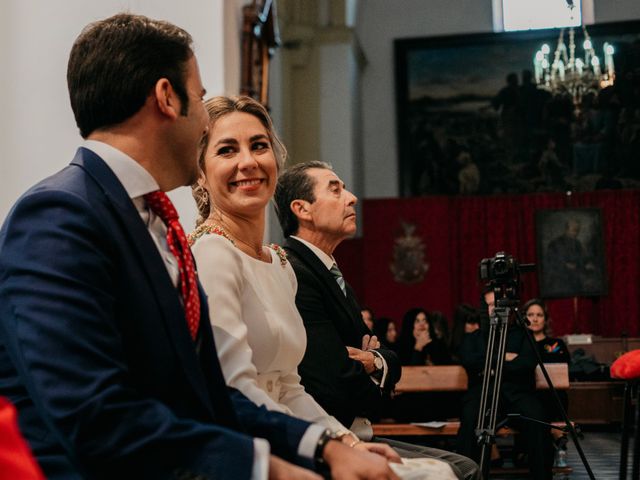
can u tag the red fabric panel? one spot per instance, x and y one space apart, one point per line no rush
459 231
16 460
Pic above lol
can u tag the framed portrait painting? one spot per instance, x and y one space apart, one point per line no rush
570 253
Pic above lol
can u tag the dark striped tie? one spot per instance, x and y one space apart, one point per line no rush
338 275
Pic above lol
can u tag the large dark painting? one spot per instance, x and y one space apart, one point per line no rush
570 252
472 121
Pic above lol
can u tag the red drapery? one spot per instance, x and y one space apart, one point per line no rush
459 231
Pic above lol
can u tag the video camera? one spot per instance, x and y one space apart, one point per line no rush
502 274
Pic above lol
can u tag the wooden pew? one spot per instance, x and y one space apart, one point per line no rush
453 378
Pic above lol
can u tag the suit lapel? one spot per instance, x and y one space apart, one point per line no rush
320 269
165 294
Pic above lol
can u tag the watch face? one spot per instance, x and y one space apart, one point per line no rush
377 362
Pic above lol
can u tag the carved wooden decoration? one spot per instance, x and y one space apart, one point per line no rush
260 38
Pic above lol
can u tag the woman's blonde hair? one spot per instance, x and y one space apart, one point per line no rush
218 107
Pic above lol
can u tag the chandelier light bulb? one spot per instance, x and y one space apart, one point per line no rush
572 72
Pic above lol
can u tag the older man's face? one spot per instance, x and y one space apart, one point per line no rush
333 211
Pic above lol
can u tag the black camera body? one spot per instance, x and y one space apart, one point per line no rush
501 268
502 274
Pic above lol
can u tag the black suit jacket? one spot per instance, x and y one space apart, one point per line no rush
333 322
95 351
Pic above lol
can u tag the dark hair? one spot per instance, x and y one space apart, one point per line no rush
542 305
439 321
364 308
115 63
294 184
406 340
486 288
218 107
380 327
463 314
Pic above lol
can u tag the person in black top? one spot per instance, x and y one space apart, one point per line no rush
440 325
418 343
466 319
552 350
385 329
517 394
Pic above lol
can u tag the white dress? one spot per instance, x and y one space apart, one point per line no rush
258 331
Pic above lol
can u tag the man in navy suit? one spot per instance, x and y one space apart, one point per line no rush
96 351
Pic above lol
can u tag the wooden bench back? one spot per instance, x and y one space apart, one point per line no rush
453 378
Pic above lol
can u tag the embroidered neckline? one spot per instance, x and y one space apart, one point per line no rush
207 228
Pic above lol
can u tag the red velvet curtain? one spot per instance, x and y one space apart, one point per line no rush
459 231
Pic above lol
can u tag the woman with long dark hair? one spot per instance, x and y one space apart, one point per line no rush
418 343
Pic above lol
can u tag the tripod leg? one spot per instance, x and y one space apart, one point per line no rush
492 376
626 422
635 475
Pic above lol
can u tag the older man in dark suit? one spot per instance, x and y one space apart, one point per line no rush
344 368
105 344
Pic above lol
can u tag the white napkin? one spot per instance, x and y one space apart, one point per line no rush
423 469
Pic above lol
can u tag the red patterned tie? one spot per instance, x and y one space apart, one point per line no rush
161 205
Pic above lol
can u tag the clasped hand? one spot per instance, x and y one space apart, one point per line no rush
364 355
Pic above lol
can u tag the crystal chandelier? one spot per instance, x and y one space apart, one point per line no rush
564 72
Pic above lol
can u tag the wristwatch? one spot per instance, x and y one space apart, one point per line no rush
377 362
325 438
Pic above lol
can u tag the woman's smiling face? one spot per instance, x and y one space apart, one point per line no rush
240 165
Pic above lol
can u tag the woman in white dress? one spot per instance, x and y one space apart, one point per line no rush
251 288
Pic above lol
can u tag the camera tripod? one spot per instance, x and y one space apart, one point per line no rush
492 380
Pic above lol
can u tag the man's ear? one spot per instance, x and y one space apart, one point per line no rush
166 99
300 209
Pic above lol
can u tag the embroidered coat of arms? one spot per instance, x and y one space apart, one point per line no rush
408 264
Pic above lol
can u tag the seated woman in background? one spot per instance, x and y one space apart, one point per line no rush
258 331
440 326
552 350
385 329
418 344
466 319
367 317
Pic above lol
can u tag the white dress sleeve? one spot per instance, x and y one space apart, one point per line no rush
220 273
294 396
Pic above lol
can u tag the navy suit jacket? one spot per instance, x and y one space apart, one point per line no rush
95 351
333 321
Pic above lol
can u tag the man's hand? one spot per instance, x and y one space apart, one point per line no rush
348 463
508 356
370 342
281 470
365 358
381 449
